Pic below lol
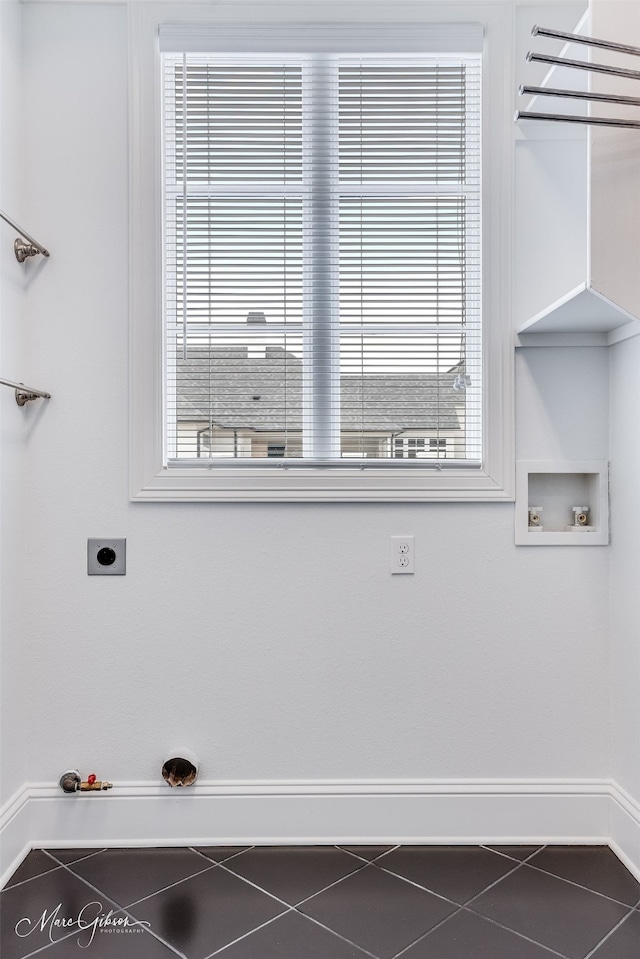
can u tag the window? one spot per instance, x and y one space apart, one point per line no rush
322 232
414 448
322 256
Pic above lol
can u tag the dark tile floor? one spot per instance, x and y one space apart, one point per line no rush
322 902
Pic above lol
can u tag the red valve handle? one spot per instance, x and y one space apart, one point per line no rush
91 779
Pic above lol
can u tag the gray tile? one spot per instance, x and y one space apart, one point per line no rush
126 875
367 852
467 936
199 906
294 873
220 853
208 911
128 941
516 852
377 911
292 936
67 856
57 895
455 872
34 864
624 943
550 911
595 867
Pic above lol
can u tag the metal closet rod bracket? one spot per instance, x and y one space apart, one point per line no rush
537 31
577 94
21 249
25 393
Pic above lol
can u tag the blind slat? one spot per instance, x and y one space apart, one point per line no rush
333 321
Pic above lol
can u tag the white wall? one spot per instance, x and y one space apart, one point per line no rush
271 639
616 242
13 437
625 565
615 166
550 161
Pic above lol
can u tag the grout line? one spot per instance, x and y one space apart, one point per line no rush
534 854
417 885
330 886
528 862
610 933
578 885
520 935
76 931
429 931
303 916
492 884
385 853
110 901
362 858
261 889
412 882
217 862
301 901
338 934
158 938
52 853
50 945
294 908
468 905
16 885
517 865
507 856
245 934
120 908
136 902
43 949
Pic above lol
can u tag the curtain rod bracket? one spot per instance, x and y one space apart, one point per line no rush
22 250
25 393
23 397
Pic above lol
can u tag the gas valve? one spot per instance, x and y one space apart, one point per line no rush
71 782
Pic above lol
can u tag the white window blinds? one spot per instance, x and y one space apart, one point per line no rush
322 259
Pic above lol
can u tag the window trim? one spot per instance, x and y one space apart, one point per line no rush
150 481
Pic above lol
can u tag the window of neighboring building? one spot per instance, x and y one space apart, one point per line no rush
322 248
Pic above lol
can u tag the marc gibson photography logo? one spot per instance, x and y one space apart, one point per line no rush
90 920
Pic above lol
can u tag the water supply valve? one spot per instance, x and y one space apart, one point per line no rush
580 520
580 515
535 519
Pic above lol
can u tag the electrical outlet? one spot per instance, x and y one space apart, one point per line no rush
402 554
106 557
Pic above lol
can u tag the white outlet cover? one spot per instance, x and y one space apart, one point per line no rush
402 555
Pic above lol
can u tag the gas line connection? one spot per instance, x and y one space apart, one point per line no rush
71 782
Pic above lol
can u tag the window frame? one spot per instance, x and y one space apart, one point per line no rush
411 481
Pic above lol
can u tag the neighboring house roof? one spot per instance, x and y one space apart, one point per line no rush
232 389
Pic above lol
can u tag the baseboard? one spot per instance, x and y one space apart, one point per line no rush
15 834
624 829
348 812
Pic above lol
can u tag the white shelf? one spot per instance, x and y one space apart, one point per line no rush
581 310
578 208
557 486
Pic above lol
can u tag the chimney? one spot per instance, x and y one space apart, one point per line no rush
256 348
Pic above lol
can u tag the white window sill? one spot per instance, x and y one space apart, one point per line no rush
317 485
